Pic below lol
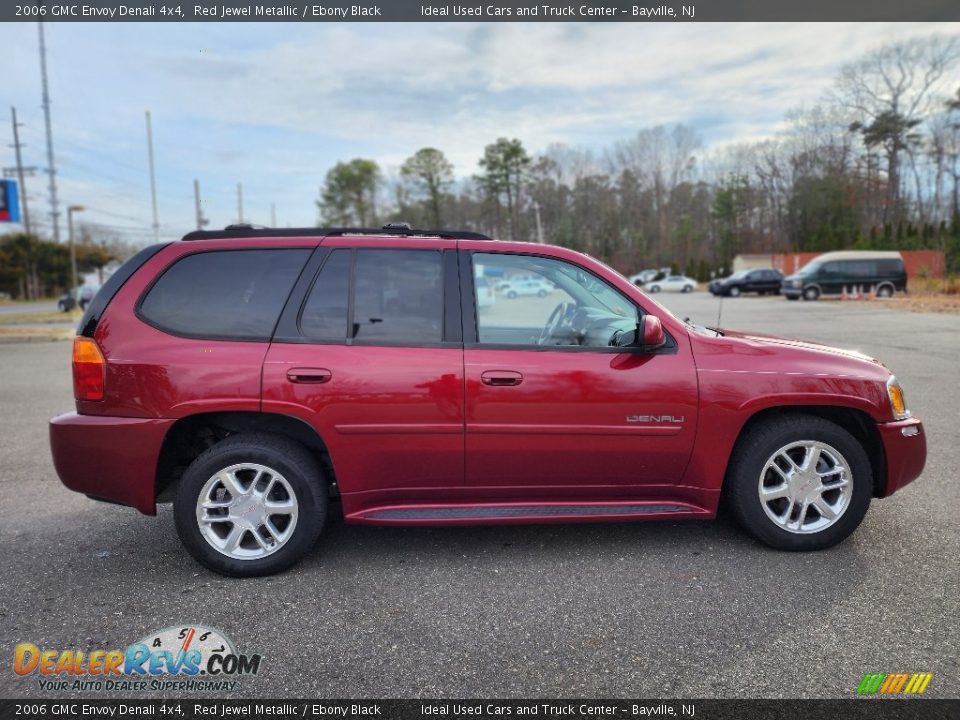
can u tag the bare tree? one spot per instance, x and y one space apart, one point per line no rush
659 158
888 93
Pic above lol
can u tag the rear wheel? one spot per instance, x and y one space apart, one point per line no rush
799 482
688 288
884 290
252 504
512 294
654 288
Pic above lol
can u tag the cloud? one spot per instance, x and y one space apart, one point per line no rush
276 105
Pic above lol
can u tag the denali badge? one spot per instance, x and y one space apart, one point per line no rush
654 419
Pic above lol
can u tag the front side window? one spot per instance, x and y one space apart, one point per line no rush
546 302
225 294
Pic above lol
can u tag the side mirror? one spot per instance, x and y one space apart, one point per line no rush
650 332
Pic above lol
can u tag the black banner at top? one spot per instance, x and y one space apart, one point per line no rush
314 709
478 11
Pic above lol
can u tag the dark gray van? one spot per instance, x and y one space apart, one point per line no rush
880 270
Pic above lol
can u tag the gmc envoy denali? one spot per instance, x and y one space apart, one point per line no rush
261 379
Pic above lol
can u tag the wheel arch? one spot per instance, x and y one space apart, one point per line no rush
189 436
857 422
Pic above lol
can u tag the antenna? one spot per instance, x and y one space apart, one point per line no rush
719 311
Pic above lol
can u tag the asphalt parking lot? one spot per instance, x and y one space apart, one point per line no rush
692 609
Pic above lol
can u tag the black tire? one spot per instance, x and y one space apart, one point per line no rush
735 291
885 290
654 288
512 295
541 293
759 443
792 297
298 467
811 293
688 288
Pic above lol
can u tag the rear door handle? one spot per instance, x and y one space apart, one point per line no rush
501 378
315 376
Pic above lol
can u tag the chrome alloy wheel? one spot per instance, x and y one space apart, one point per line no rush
805 486
247 511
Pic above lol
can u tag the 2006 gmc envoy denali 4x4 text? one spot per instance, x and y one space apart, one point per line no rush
255 377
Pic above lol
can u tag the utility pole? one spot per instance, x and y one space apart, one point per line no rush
273 215
201 220
240 203
74 280
51 166
153 181
536 210
23 188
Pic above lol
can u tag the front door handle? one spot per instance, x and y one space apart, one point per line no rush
314 376
501 378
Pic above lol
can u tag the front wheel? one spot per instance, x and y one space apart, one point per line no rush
735 291
799 482
811 293
251 505
654 288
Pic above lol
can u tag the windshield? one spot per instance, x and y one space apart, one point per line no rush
810 268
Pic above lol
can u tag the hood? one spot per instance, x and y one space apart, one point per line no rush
775 340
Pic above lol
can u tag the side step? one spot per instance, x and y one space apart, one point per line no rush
524 512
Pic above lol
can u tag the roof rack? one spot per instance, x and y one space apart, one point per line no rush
246 230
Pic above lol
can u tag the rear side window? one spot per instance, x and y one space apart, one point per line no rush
398 297
225 294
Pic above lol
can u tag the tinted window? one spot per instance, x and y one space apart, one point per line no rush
398 297
831 268
889 266
325 312
230 294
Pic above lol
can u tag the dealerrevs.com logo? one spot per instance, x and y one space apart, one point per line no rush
186 658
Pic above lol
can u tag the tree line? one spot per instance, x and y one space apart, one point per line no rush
33 268
874 165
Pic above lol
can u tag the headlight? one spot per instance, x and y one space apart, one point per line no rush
798 283
897 403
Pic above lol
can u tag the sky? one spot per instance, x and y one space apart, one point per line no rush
274 106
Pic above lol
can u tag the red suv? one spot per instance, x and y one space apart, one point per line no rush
257 377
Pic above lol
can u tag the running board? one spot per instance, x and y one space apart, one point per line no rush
526 512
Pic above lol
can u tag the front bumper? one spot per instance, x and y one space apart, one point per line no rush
905 450
109 458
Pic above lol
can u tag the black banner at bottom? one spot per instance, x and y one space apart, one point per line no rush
892 709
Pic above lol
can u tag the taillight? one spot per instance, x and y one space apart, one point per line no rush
89 370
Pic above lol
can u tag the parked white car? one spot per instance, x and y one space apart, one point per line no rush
516 288
675 283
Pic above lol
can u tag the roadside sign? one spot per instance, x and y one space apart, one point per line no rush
9 202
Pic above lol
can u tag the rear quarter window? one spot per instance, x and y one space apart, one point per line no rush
223 294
